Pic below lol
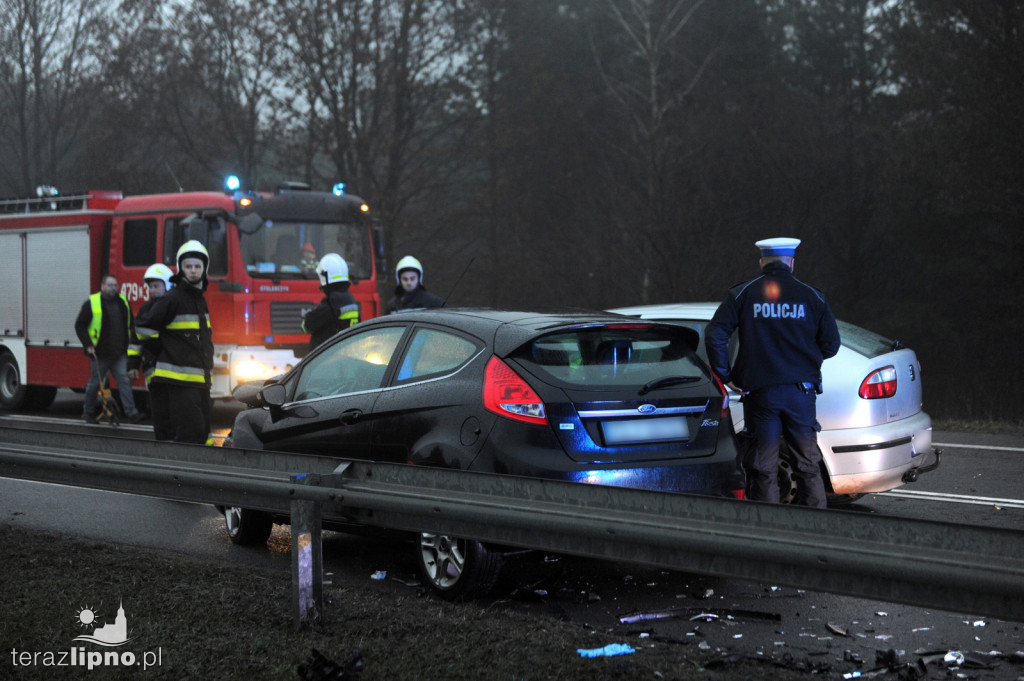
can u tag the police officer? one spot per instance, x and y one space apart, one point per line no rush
185 361
786 330
410 294
338 310
142 354
104 326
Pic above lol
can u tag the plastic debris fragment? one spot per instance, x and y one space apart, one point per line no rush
609 650
704 617
379 575
836 629
954 658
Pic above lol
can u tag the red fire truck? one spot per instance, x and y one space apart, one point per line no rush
54 249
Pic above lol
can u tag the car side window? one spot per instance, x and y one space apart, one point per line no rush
434 352
352 365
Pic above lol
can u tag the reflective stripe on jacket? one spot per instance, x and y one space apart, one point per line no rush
181 319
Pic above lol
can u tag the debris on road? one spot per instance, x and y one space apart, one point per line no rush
609 650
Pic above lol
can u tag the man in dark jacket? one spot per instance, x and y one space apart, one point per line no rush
185 363
410 294
338 310
105 327
786 330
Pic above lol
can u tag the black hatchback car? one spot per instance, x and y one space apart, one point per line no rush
582 396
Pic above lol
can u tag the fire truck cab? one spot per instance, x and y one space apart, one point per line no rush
263 253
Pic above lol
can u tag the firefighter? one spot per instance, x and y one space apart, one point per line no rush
339 309
106 328
410 294
786 329
142 355
184 364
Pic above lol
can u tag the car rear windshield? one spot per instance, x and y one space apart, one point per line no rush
612 357
867 343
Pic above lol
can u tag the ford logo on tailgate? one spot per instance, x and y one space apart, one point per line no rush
647 409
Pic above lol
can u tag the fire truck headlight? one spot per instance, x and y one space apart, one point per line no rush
249 370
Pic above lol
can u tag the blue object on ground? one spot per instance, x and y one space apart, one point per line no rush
608 651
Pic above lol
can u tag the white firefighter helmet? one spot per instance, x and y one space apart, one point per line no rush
194 249
408 263
158 271
332 269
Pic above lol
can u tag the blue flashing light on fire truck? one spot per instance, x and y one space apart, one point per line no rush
54 249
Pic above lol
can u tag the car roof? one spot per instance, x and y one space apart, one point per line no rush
670 311
508 328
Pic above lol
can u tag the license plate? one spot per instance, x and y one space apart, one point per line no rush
645 430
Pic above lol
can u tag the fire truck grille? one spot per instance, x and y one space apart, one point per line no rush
286 317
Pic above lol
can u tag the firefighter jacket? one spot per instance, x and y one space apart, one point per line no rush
336 312
142 354
417 299
786 330
181 318
105 323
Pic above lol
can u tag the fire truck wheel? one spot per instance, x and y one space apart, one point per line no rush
247 527
12 391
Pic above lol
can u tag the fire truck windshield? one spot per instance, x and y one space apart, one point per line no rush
291 250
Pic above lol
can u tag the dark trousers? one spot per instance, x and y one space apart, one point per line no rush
189 409
770 413
160 407
118 368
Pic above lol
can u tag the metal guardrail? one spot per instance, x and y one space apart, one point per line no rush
945 566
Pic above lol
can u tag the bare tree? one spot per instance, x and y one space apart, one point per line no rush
650 67
49 62
374 84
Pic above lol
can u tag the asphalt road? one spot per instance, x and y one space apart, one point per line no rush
977 483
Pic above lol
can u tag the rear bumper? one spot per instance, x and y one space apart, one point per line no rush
879 458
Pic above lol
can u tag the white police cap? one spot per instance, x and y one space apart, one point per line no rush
778 246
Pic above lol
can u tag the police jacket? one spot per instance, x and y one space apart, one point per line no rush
105 323
336 312
417 299
142 354
786 330
181 318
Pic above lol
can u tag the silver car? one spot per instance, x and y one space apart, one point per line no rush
874 436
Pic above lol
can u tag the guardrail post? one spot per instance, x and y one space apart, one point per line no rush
307 557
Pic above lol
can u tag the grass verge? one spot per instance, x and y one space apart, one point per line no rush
205 620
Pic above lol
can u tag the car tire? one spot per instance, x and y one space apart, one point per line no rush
12 390
247 527
454 568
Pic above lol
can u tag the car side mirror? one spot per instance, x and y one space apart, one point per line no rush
251 223
274 395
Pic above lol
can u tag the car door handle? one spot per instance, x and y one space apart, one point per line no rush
350 416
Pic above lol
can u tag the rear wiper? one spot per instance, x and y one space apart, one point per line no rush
666 381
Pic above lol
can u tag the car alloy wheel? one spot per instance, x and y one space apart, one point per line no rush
456 568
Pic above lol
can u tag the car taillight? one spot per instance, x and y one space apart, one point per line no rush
725 394
878 384
739 493
507 394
